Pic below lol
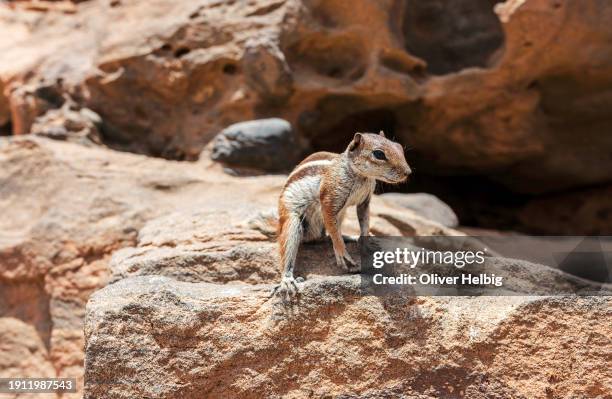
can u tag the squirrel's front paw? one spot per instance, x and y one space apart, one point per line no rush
287 288
347 263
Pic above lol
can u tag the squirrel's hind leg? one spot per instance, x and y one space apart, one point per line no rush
290 237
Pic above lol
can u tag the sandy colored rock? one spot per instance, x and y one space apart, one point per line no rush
70 208
174 339
22 352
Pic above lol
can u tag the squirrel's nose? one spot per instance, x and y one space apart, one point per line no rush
407 171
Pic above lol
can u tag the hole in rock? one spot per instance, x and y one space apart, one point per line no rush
140 112
338 135
6 129
51 94
479 201
451 34
181 51
230 69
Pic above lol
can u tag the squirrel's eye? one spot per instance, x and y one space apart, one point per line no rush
378 154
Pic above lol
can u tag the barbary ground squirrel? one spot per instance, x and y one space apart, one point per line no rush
320 189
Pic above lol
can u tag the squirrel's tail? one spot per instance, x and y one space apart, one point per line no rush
289 238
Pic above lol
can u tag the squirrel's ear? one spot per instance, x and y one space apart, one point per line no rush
356 141
381 133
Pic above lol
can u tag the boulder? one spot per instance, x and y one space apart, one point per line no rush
156 337
265 144
188 314
427 205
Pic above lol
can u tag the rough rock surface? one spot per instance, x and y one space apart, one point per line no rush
223 246
153 336
268 145
66 208
187 315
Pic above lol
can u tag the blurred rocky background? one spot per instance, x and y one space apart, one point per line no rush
155 133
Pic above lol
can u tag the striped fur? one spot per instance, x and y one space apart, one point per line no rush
311 195
321 188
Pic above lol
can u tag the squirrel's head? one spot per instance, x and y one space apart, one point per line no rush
374 156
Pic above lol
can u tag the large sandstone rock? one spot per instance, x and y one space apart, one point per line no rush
153 336
188 315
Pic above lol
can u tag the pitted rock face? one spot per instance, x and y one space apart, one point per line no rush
469 94
508 103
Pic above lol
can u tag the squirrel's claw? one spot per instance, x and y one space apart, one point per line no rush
287 288
347 263
352 266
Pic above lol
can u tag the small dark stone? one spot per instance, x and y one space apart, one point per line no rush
264 144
